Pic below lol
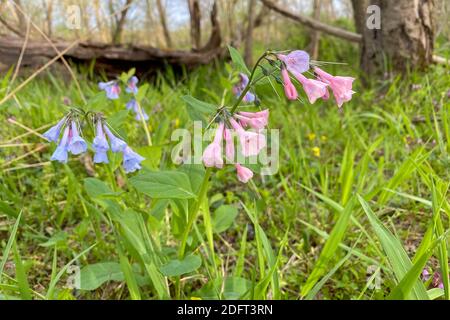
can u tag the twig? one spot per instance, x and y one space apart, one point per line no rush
312 23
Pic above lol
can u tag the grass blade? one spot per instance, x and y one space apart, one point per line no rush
329 250
395 252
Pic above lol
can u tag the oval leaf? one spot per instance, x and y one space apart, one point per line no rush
178 267
223 218
164 185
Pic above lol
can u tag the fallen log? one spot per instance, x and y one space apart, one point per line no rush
112 59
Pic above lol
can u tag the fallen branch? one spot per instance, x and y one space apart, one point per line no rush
108 57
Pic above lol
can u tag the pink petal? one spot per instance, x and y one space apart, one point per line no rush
244 174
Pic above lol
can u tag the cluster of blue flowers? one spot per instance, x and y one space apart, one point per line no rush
112 89
71 141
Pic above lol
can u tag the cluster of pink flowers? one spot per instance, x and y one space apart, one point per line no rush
251 142
296 63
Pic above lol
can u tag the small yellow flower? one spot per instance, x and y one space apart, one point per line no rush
177 123
311 136
324 138
196 298
316 151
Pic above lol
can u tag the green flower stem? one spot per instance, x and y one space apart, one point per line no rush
192 216
193 212
244 92
144 124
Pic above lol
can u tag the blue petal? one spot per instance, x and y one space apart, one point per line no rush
60 154
131 165
249 97
138 116
101 157
53 133
111 94
100 144
77 145
117 145
131 105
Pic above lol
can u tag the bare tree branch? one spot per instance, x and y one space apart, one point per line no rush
121 22
314 24
194 11
162 17
249 34
315 36
10 27
215 38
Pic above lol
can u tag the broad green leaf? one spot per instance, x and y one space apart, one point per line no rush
223 218
196 173
96 188
178 267
142 92
164 185
238 60
152 155
231 288
94 275
198 110
117 120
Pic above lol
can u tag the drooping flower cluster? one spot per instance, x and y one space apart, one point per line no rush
71 141
296 63
112 89
251 142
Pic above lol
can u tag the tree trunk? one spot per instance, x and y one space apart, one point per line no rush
49 18
359 14
120 23
248 55
315 36
20 17
195 14
405 38
215 39
162 17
